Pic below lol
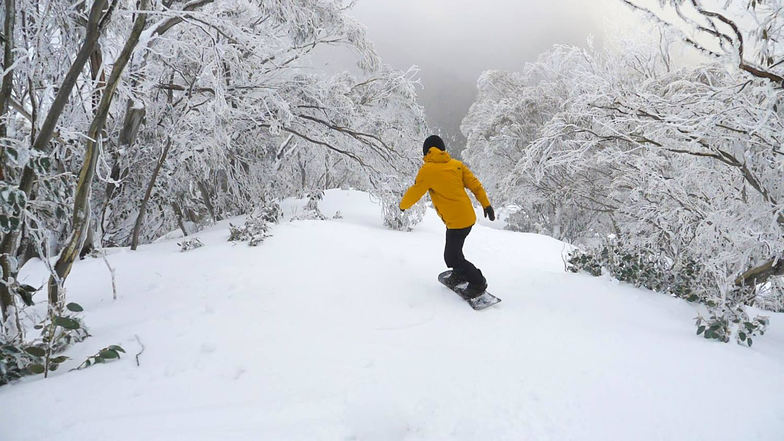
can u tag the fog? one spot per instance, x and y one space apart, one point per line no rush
453 41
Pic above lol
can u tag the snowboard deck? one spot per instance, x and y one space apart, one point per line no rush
485 300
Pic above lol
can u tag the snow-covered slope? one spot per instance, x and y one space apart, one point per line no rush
338 330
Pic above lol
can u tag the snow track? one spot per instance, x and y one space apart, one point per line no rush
339 330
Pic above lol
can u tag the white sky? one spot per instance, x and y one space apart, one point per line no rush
463 35
453 41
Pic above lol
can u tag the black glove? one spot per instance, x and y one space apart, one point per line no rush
489 213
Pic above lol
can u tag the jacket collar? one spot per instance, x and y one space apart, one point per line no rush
437 155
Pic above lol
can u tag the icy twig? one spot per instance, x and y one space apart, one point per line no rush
111 271
140 352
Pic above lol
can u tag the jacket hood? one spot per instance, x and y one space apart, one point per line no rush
437 155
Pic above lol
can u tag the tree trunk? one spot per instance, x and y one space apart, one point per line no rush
133 119
89 242
81 212
98 75
205 195
178 213
6 299
111 187
760 274
137 227
131 123
8 78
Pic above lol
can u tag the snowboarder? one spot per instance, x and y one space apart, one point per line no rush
446 179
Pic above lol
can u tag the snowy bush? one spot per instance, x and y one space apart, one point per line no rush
551 220
16 362
770 296
389 199
311 210
254 231
104 355
58 331
682 278
63 329
190 244
403 221
257 225
721 326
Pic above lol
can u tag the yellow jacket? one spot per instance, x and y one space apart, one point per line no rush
446 179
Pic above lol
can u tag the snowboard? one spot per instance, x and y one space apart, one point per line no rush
485 300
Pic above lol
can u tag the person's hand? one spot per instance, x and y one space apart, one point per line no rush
489 213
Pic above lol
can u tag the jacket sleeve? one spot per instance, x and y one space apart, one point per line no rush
472 183
416 191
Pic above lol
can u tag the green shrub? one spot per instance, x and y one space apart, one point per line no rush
680 277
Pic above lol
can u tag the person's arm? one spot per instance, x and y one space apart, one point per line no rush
416 191
472 183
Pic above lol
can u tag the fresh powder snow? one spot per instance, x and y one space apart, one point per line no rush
339 330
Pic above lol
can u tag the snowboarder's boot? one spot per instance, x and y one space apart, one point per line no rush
454 280
476 289
481 301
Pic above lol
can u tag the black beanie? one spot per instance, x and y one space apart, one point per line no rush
433 141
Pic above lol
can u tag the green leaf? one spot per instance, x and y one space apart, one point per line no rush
10 348
742 336
65 322
117 348
109 354
53 366
74 307
36 368
36 351
749 342
700 330
59 359
26 295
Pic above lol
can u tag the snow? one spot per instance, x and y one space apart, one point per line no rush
339 330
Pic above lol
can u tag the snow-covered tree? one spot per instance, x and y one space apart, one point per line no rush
681 167
42 124
184 112
510 112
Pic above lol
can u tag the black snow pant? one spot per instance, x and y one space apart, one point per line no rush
453 256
